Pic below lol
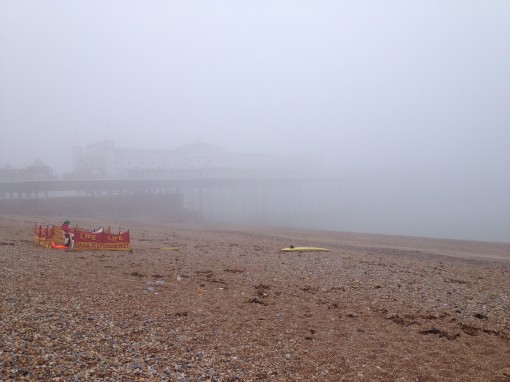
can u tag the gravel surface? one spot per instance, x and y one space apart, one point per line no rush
224 304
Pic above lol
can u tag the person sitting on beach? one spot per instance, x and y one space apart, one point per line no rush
68 234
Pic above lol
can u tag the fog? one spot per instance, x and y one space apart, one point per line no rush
407 103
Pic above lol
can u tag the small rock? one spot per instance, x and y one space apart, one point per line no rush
505 372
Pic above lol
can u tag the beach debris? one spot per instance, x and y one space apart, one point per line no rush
262 290
257 301
234 270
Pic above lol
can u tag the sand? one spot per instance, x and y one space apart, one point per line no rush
227 305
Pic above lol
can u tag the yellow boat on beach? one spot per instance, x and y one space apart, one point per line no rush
304 249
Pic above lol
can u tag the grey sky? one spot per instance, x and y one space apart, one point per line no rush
397 87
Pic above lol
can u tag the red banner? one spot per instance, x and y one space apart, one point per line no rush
52 236
101 241
45 235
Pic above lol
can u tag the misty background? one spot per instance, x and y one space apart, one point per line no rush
407 103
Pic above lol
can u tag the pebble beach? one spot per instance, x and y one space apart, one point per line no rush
209 303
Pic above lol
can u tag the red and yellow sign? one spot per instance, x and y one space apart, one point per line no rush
45 235
101 241
83 239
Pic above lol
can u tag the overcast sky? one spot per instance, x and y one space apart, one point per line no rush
398 87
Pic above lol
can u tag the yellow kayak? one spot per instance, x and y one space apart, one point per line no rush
304 249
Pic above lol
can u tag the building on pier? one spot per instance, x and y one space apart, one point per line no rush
36 171
197 160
